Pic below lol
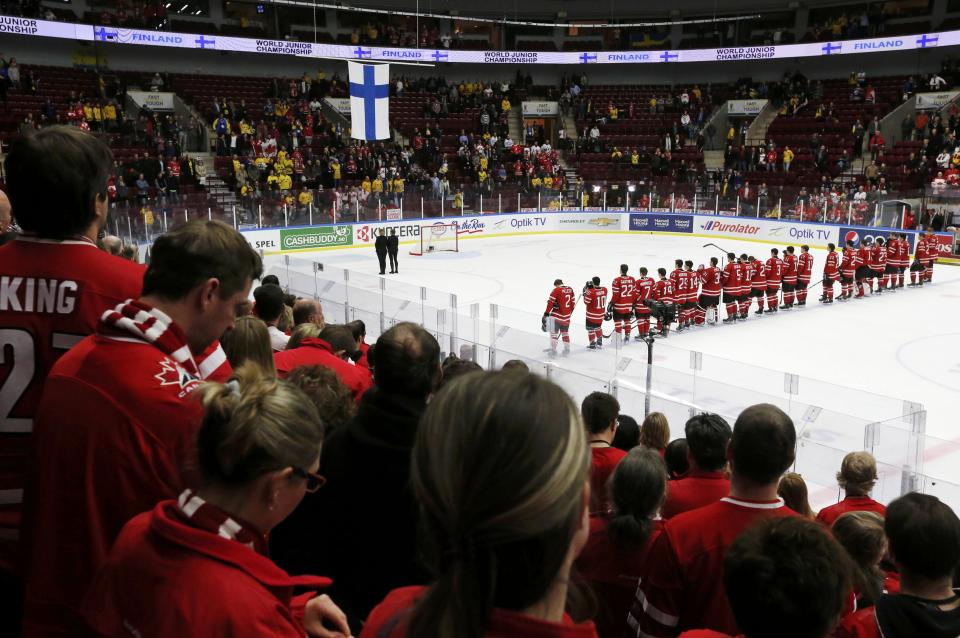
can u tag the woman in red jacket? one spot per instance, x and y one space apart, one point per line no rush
501 471
198 566
617 548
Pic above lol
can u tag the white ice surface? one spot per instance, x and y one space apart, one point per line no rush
903 346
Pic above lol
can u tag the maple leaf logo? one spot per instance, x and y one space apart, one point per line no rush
172 374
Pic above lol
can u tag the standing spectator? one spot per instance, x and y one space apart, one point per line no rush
706 482
249 341
857 476
680 588
599 411
258 452
269 307
116 422
502 542
793 491
57 182
627 436
937 83
331 348
861 534
924 539
784 577
308 311
616 551
655 432
367 465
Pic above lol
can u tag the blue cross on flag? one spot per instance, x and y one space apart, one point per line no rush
369 101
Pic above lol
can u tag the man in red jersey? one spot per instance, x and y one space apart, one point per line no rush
595 299
116 422
903 258
328 349
685 286
784 577
706 481
864 272
623 298
789 278
804 272
919 259
645 286
679 290
774 272
681 587
933 250
857 476
600 411
560 306
758 281
55 284
730 278
710 295
924 539
892 269
831 272
743 297
692 295
664 302
878 264
848 270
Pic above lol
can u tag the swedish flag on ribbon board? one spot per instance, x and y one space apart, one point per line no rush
369 101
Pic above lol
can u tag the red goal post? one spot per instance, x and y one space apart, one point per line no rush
439 237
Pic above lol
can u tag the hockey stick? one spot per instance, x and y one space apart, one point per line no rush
717 247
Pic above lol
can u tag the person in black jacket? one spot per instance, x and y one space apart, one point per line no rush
361 528
393 247
380 244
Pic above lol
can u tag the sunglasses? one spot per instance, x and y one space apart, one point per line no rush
314 481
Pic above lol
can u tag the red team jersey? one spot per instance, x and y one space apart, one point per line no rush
686 286
831 267
804 267
758 275
903 253
878 258
774 272
52 294
663 291
682 585
850 504
848 265
731 279
710 278
790 268
863 256
595 299
560 304
645 287
624 294
743 274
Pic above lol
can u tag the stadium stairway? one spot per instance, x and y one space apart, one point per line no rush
713 160
757 133
515 122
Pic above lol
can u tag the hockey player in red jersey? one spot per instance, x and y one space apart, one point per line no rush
919 259
878 264
892 269
686 292
595 300
758 281
933 249
789 278
831 272
622 299
556 317
664 302
645 286
730 278
694 312
774 272
709 300
848 270
804 271
56 284
864 273
903 258
743 296
679 284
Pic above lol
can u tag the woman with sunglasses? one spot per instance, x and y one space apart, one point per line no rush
198 565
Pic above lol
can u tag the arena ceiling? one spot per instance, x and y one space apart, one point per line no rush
595 9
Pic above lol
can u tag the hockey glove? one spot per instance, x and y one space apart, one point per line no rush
543 323
608 316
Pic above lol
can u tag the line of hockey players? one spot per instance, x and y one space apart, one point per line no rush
692 297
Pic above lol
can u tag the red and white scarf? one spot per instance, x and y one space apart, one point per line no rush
136 321
211 518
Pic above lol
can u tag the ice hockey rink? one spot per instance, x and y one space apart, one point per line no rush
900 347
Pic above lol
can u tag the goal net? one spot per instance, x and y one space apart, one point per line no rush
437 238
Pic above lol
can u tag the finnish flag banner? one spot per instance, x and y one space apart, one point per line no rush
369 101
